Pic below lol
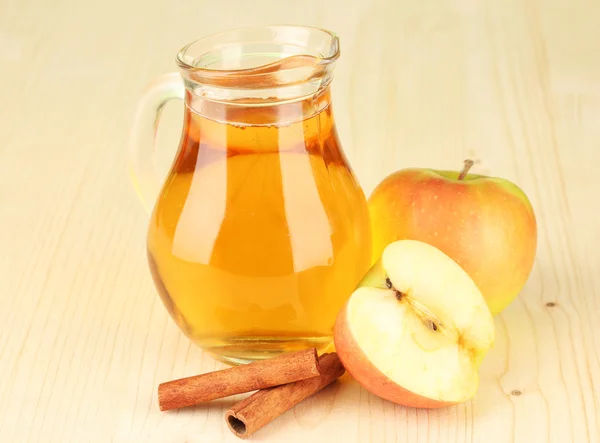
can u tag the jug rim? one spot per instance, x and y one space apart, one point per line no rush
306 53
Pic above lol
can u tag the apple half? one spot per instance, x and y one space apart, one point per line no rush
416 329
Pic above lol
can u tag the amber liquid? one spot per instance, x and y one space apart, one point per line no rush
261 231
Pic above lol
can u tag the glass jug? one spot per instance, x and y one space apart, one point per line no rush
260 230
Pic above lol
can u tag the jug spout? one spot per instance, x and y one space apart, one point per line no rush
260 63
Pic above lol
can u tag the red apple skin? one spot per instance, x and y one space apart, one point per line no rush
368 376
485 224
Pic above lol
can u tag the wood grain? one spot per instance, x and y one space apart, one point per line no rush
84 339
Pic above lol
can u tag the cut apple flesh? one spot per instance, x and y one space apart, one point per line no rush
422 322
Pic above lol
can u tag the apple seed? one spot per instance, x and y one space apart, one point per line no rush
399 295
431 324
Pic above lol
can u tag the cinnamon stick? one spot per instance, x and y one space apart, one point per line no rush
262 407
261 374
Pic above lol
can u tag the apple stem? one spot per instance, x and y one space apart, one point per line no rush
465 170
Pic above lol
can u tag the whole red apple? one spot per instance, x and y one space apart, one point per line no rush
486 224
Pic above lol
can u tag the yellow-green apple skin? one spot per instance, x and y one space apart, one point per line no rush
486 224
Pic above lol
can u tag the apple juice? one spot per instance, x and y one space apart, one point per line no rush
262 231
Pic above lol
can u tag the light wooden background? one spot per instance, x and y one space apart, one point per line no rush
84 340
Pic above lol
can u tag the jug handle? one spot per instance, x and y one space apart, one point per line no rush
142 140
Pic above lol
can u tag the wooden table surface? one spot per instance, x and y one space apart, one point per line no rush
85 340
